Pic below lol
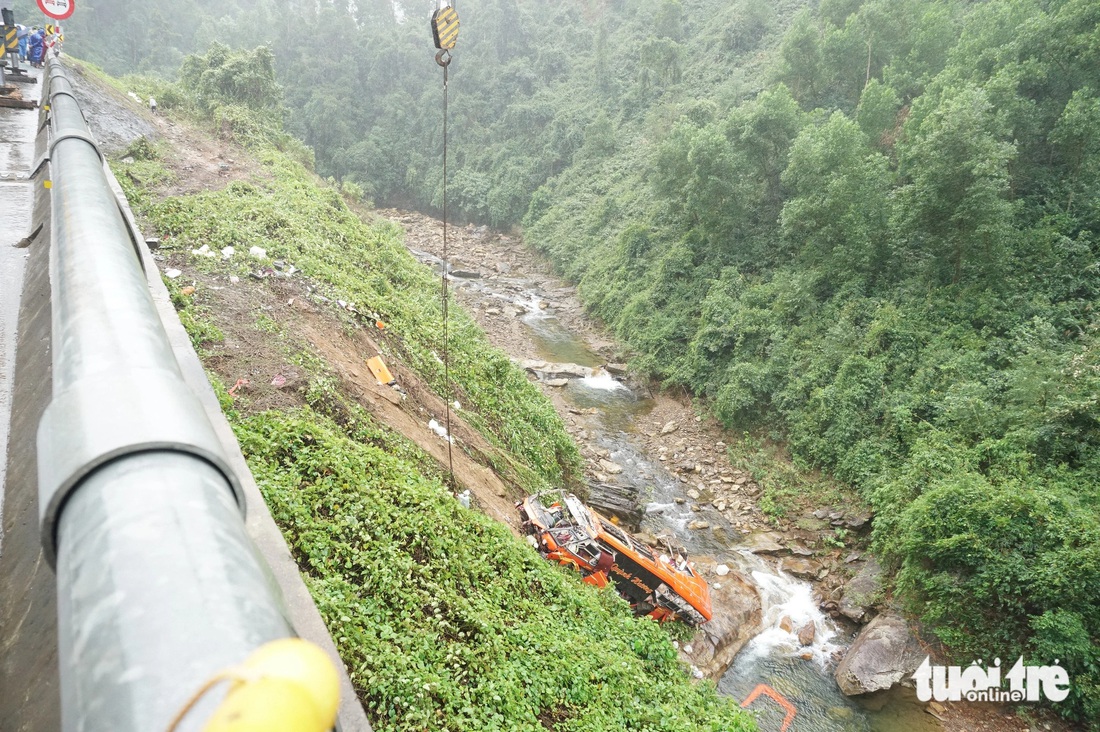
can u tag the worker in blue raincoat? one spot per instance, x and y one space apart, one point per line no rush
36 52
23 33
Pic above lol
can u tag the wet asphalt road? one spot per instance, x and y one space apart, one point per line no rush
17 133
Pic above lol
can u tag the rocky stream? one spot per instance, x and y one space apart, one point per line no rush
791 611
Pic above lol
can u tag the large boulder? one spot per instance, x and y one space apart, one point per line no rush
764 542
863 592
735 603
884 653
548 370
801 567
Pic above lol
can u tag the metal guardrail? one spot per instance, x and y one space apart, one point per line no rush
159 586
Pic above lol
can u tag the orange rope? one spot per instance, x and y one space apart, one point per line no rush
779 698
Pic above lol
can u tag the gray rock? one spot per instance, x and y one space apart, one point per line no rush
737 616
552 370
669 428
801 567
766 542
863 592
610 467
858 521
883 654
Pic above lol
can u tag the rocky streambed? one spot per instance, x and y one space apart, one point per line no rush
789 596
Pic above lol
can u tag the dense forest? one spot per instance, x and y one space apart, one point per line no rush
866 229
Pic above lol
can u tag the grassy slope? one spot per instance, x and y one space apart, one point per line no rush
444 618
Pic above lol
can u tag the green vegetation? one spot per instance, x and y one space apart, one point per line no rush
464 628
888 260
195 319
445 619
864 228
311 227
308 226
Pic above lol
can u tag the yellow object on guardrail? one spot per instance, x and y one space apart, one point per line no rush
288 685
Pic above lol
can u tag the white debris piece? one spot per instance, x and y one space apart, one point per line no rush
258 253
464 498
721 570
203 251
172 273
440 430
227 252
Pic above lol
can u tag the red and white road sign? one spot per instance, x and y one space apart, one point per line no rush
57 9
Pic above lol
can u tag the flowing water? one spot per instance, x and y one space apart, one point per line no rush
774 656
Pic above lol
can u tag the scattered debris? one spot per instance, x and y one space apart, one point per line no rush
227 252
257 252
204 251
663 586
378 367
189 290
172 273
440 430
279 381
240 384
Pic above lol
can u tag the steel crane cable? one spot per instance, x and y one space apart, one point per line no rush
444 26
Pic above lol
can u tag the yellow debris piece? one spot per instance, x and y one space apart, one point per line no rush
378 368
